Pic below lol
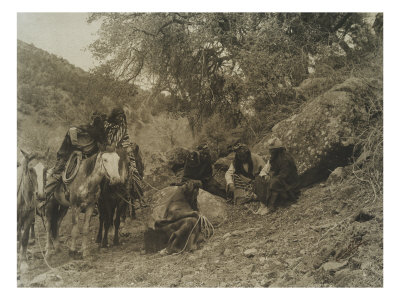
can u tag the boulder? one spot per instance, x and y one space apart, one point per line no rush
158 172
211 206
321 136
313 87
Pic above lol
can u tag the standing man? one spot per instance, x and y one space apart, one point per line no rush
116 130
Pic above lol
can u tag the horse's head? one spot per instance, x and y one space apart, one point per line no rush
36 173
115 166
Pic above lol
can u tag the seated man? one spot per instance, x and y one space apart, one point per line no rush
241 174
198 166
88 138
282 181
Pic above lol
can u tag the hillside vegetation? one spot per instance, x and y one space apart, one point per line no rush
313 80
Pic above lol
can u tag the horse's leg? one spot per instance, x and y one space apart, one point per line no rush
75 228
132 208
32 239
49 221
108 218
85 230
120 209
19 229
101 222
25 238
61 212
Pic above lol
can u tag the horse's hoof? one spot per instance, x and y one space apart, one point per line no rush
48 254
74 254
85 254
164 251
24 267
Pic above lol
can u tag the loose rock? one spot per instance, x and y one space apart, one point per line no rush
250 252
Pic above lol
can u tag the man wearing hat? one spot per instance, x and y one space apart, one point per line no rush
282 180
242 173
88 138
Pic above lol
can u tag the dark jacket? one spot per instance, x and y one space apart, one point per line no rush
197 167
283 172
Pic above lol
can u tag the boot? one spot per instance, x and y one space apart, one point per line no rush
262 210
272 200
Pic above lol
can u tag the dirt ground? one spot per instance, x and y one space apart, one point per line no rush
332 237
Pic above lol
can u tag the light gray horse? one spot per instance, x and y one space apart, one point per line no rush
30 190
84 191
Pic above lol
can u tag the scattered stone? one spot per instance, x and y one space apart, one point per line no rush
226 235
337 175
43 279
227 252
291 261
363 216
250 252
266 282
237 232
333 266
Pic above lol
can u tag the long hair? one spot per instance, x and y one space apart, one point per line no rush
116 126
245 157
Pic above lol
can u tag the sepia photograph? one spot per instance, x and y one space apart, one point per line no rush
199 149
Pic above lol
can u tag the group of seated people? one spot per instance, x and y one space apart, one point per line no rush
249 178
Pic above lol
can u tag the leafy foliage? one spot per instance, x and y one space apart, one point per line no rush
218 63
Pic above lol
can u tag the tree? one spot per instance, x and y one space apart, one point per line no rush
212 63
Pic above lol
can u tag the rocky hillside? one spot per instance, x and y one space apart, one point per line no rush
332 236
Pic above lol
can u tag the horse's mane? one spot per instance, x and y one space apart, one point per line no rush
89 164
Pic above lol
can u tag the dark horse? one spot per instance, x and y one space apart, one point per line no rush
114 200
84 192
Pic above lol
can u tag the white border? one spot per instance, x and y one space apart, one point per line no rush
8 138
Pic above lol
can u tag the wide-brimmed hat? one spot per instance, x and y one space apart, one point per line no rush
275 143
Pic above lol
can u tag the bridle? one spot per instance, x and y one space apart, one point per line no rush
32 181
102 166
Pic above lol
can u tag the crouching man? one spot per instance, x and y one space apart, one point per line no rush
198 166
279 179
241 175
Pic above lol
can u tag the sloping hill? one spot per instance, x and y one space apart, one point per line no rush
331 237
